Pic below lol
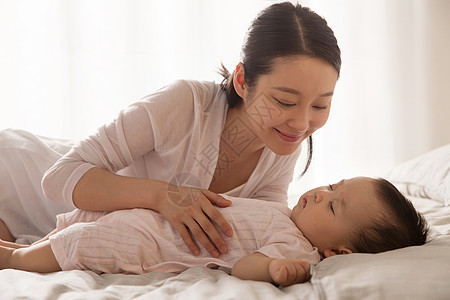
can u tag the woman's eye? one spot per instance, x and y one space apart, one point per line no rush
320 107
283 103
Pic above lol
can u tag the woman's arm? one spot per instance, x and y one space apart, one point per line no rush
260 267
86 176
99 189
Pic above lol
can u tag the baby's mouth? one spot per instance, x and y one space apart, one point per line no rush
304 202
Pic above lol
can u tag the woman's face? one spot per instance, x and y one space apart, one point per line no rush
287 105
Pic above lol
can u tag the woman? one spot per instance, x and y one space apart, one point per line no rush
175 150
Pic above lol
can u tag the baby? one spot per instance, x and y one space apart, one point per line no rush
270 242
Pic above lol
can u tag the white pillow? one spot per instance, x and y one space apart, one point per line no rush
426 176
408 273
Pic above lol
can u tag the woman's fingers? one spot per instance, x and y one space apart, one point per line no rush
205 215
202 228
186 237
217 217
213 236
193 215
201 236
216 199
214 214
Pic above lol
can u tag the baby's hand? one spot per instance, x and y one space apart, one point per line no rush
289 271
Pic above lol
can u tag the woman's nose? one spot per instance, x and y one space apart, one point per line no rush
299 120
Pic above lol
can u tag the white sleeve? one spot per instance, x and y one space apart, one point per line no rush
138 130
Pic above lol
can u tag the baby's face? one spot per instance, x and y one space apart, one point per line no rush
328 215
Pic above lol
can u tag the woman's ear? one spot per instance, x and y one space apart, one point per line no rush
341 250
238 80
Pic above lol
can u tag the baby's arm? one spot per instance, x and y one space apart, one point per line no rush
260 267
35 258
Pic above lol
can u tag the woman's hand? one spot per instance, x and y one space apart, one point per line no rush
191 212
289 271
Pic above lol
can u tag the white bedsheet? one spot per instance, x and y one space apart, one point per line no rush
410 273
195 283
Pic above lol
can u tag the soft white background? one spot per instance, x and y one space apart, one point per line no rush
66 67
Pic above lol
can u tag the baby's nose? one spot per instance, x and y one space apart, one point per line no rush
319 197
311 198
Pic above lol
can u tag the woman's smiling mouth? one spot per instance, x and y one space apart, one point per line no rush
288 138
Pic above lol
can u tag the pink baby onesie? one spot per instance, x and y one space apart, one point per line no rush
140 241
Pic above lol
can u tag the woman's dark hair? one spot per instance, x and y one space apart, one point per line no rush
282 30
400 226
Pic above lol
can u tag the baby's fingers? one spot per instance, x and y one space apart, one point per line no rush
306 266
300 272
280 276
286 272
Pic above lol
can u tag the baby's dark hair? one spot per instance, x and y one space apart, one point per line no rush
399 226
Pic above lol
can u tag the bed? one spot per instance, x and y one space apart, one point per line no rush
409 273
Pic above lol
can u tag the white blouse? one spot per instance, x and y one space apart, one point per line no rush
172 135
